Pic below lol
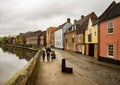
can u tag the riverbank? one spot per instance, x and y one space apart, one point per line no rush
29 71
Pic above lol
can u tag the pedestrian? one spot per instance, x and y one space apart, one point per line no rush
53 55
43 55
48 50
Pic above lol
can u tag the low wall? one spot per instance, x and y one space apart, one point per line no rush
21 77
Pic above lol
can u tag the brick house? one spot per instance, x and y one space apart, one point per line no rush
53 38
59 34
33 38
91 37
49 36
109 28
42 40
81 26
70 38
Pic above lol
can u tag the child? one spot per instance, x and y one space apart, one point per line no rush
43 55
53 55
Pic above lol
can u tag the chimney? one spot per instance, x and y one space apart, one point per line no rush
82 16
68 20
75 21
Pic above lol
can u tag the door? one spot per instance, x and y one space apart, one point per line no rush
91 50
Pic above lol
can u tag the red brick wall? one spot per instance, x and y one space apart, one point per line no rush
113 38
70 45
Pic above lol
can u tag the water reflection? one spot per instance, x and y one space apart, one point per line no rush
12 60
19 52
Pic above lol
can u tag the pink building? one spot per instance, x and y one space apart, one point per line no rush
109 28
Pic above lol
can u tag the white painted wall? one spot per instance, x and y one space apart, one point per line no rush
59 36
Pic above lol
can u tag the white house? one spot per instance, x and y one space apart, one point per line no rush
59 34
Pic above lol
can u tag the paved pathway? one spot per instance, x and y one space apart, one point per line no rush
50 74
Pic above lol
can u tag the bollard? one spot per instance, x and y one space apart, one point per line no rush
63 65
66 69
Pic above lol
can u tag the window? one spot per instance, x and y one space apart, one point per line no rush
110 27
66 40
73 40
94 31
110 50
89 37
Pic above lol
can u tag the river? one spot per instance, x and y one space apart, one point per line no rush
12 60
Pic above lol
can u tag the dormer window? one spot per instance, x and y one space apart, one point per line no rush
110 27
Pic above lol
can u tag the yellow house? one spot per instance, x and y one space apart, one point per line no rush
91 38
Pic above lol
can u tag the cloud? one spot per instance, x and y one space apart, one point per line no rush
25 15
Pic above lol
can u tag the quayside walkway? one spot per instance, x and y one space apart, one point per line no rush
50 74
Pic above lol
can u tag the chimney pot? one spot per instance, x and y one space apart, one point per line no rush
75 21
82 16
68 20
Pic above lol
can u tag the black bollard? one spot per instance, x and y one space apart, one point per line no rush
66 69
63 65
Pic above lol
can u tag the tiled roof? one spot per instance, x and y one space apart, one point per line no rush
111 12
83 23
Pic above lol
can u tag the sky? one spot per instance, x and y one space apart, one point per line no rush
20 16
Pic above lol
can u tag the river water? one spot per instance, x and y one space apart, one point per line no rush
12 60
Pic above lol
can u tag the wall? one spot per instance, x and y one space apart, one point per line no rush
59 39
70 45
113 38
91 29
21 77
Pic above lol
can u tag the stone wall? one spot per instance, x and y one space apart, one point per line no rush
21 77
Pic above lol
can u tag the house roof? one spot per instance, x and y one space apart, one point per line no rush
36 33
60 26
111 12
83 23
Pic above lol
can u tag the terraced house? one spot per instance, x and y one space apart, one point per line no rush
33 38
109 27
59 34
81 26
70 38
91 36
49 36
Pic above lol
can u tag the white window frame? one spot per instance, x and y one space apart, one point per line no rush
108 51
108 27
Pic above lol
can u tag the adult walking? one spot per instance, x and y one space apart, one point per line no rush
48 50
43 55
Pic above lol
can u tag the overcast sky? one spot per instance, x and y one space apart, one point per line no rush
18 16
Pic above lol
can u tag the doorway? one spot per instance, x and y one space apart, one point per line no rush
91 49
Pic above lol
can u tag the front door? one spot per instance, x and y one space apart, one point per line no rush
91 50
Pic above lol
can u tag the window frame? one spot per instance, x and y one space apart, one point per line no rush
90 37
110 50
109 28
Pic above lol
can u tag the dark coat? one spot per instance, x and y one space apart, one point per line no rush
48 50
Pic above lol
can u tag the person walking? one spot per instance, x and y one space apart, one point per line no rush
48 50
43 55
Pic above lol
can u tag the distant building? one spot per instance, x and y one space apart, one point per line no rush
59 34
49 36
109 28
42 40
33 38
